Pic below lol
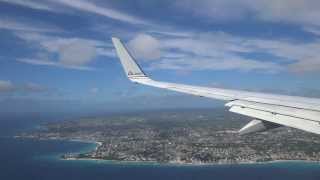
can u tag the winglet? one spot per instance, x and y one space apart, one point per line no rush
130 66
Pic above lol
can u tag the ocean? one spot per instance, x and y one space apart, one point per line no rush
24 159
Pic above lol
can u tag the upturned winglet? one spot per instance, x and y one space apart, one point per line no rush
130 66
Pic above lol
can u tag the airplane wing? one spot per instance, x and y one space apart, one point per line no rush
268 110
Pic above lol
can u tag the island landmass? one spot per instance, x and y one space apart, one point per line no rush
206 136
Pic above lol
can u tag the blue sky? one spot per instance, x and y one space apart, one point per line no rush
57 56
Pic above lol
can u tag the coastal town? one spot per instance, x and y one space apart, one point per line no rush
181 137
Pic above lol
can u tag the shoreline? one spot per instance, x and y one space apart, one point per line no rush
97 143
174 163
185 164
171 163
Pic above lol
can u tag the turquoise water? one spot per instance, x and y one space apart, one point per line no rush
39 160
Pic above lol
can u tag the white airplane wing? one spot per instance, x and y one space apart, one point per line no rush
268 110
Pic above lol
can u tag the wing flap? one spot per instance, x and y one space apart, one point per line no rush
278 109
257 126
294 122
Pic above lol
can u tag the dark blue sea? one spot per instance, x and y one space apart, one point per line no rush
24 159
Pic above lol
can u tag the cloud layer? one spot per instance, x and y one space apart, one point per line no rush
221 51
176 49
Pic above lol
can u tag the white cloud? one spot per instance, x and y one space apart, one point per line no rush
94 90
145 47
72 53
6 86
76 52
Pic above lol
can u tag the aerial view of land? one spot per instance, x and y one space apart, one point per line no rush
181 136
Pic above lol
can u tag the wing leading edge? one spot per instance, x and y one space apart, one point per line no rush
292 111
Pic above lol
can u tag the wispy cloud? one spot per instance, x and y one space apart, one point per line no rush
22 25
94 90
299 12
292 11
227 63
221 51
178 49
6 86
9 87
42 62
313 30
39 5
64 6
34 87
90 7
304 56
215 51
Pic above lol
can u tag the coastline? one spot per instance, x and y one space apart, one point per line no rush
175 163
171 163
97 143
186 164
46 156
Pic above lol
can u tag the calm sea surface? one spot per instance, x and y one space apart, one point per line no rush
23 159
